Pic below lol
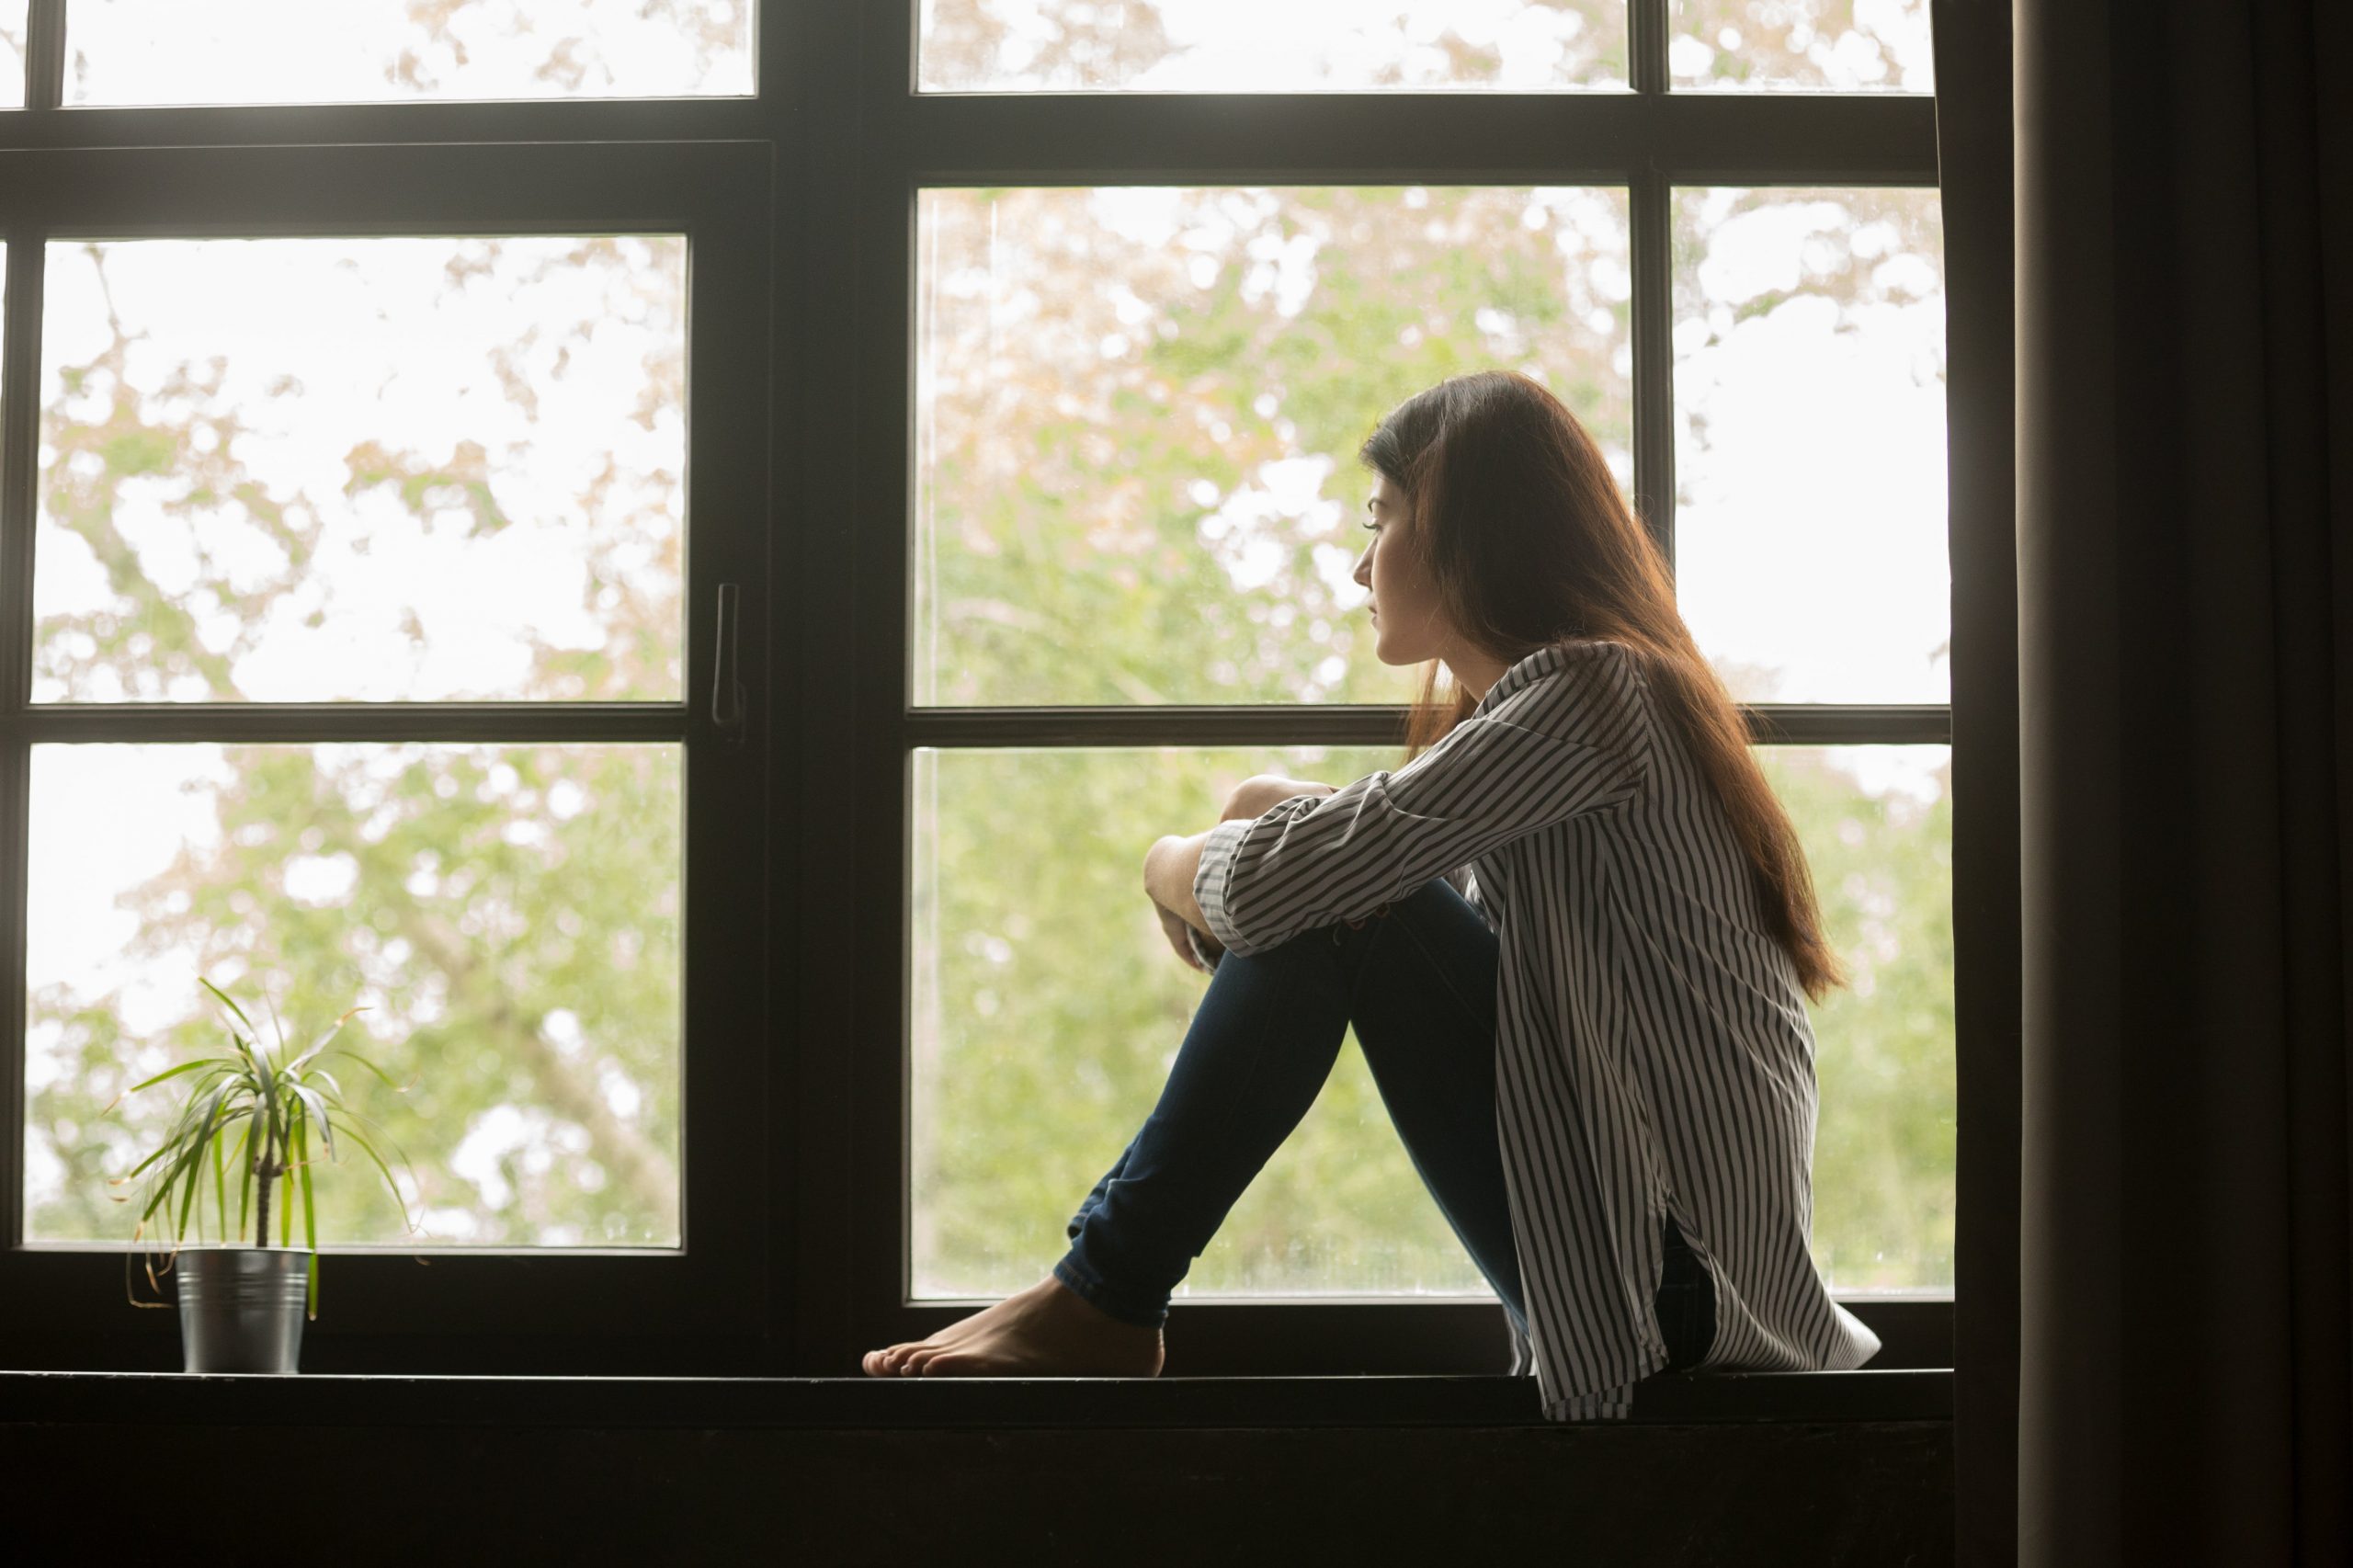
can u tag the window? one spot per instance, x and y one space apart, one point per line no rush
682 552
1144 349
368 512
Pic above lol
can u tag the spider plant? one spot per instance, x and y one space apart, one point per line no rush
255 1109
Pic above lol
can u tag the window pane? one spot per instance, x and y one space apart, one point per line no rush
1045 1020
1047 1008
1240 46
508 915
313 470
285 51
1138 411
12 52
1840 45
1877 826
1809 540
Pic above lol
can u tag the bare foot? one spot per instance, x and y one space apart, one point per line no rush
1046 1331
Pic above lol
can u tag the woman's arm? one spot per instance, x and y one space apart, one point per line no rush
1173 862
1169 866
1494 778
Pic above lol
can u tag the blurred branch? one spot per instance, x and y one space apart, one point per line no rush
632 1160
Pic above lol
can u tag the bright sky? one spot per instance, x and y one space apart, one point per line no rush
261 52
1250 46
1343 45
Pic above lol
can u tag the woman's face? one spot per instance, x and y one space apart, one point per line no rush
1407 628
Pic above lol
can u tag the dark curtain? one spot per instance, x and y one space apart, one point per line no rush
2185 561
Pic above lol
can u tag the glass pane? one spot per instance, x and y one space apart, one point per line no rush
1244 46
1838 46
1047 1008
315 469
1066 996
1810 542
12 52
1138 413
303 51
1877 826
508 915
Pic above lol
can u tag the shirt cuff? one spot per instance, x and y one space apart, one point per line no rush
1202 950
1218 851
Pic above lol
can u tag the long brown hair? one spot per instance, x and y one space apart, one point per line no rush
1528 542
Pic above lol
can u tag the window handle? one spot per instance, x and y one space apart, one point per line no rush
727 704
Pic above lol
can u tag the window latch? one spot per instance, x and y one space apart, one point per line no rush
727 703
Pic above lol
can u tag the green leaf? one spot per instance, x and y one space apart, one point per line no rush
228 1004
194 1168
221 1188
352 1116
369 1149
286 1207
189 1169
243 1158
309 1218
276 1025
309 1097
214 1061
320 1044
380 1072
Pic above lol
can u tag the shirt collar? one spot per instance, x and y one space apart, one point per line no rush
1543 661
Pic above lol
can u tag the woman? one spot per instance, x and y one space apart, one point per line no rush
1574 933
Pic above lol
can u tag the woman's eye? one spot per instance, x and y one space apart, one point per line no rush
1371 528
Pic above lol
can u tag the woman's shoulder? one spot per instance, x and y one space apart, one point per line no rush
1585 687
1596 666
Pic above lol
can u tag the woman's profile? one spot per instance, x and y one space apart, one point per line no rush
1574 933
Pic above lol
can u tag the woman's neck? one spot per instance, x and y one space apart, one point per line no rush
1474 672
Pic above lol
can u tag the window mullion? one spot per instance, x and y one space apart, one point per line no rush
19 438
1646 44
19 424
45 55
1652 258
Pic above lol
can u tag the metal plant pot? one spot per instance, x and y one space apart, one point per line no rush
241 1307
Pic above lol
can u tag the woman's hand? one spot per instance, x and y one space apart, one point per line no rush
1174 926
1255 794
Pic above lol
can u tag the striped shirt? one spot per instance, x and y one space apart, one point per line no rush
1654 1055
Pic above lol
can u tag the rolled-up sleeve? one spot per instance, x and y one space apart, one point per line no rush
1313 860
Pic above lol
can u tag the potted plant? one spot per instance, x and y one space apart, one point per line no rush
259 1113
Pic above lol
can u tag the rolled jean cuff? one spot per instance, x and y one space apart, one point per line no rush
1092 1291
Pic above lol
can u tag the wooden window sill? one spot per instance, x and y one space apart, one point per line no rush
409 1399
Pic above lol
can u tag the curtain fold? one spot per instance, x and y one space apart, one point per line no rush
2184 513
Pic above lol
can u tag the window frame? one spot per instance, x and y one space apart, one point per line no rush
815 1236
61 1302
1646 140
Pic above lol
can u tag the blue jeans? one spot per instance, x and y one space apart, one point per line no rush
1417 980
